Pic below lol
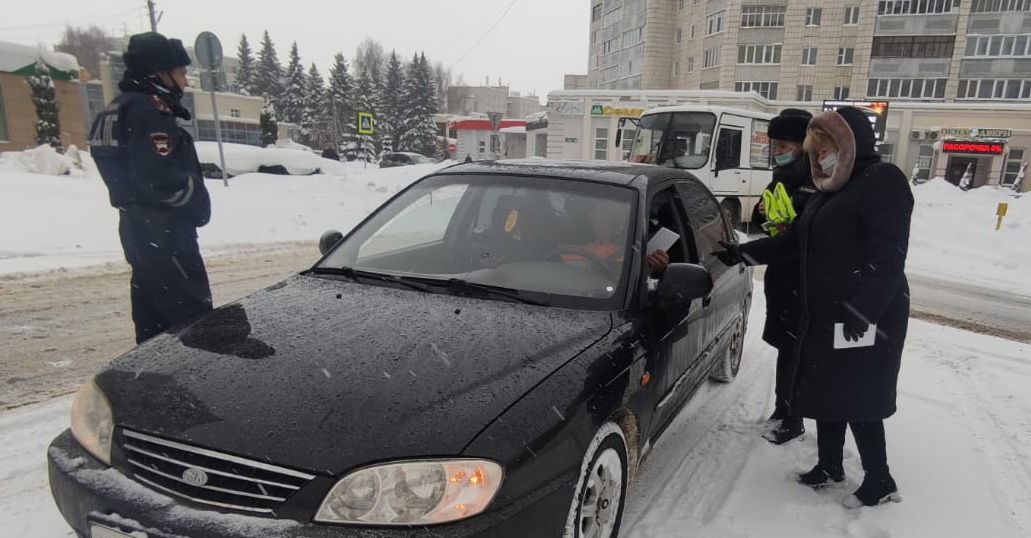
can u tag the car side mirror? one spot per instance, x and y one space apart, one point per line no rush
329 240
684 282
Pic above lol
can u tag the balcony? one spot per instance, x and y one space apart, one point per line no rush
925 24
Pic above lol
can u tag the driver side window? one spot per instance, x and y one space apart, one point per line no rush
663 213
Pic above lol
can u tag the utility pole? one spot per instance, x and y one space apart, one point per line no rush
153 16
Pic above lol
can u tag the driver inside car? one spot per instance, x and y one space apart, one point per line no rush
609 227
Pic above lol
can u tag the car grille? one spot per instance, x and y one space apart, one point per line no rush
210 477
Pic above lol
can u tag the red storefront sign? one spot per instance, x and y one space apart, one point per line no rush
977 148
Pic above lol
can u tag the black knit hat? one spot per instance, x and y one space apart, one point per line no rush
152 52
789 125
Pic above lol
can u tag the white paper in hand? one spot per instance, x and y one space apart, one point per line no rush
662 240
867 340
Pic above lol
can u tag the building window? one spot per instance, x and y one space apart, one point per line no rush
234 112
601 144
923 162
714 23
841 92
692 31
805 93
232 131
994 89
914 46
594 36
809 56
4 135
595 15
851 15
845 56
711 58
758 54
919 88
916 7
680 5
1014 162
813 16
765 89
690 65
676 69
762 16
991 6
680 35
998 45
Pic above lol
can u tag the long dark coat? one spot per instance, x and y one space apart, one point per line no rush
782 277
852 240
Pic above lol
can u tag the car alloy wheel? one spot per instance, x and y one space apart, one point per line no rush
597 507
728 366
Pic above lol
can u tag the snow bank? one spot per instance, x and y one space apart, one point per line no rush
953 236
47 161
243 159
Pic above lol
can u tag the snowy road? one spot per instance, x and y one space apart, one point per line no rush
968 305
960 448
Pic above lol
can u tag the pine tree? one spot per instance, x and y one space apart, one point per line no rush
269 124
245 74
48 122
365 101
341 98
268 81
315 119
419 133
393 101
374 74
292 100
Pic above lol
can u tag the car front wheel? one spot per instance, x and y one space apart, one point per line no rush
597 507
727 367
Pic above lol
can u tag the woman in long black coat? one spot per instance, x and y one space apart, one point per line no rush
852 239
786 132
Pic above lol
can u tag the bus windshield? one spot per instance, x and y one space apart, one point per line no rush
675 139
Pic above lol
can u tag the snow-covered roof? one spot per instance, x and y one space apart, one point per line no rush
21 59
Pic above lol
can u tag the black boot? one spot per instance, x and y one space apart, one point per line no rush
789 428
779 413
877 488
821 476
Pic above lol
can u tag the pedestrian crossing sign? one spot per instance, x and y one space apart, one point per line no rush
365 126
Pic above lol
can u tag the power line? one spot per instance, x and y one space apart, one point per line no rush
485 34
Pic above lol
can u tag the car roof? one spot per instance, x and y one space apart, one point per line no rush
611 172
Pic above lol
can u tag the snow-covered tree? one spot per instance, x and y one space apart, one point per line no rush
315 119
269 124
365 101
269 74
48 122
419 133
341 97
442 78
245 74
296 85
393 114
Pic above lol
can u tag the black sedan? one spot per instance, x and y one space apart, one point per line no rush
491 353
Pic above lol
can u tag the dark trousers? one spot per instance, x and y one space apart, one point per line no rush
169 282
785 356
830 440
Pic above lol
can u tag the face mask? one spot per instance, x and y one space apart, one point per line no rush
784 159
827 163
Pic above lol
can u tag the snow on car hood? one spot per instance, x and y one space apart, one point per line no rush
325 374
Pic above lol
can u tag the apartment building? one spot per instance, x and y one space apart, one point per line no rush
807 51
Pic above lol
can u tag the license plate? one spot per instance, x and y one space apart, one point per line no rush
97 530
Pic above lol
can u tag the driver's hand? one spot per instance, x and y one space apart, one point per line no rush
657 261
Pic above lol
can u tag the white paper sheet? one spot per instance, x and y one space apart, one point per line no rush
867 340
662 240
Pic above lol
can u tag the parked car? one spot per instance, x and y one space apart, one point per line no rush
403 158
461 363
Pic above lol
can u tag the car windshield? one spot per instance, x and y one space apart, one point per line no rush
675 139
552 241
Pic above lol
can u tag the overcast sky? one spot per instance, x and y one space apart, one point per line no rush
530 44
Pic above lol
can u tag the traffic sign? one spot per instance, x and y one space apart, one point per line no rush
208 50
365 123
495 120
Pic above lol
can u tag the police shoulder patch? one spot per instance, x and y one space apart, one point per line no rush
161 144
160 105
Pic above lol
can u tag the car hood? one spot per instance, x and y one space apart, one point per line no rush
324 374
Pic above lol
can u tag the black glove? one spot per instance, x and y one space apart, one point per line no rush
855 325
731 256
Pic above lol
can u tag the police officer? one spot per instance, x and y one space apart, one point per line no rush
150 167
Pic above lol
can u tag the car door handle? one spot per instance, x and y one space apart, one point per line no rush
707 301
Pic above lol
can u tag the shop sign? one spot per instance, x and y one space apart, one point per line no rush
567 108
876 111
572 140
975 132
976 148
607 110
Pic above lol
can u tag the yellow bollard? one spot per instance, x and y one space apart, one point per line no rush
1001 212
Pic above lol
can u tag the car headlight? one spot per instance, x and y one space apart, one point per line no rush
92 424
412 493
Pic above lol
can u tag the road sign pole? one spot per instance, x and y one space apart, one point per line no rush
218 134
209 54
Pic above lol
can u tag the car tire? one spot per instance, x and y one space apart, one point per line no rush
726 369
600 495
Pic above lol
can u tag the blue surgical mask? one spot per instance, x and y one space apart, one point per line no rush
827 163
784 159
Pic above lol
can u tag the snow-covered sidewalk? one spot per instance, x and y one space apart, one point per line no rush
960 448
